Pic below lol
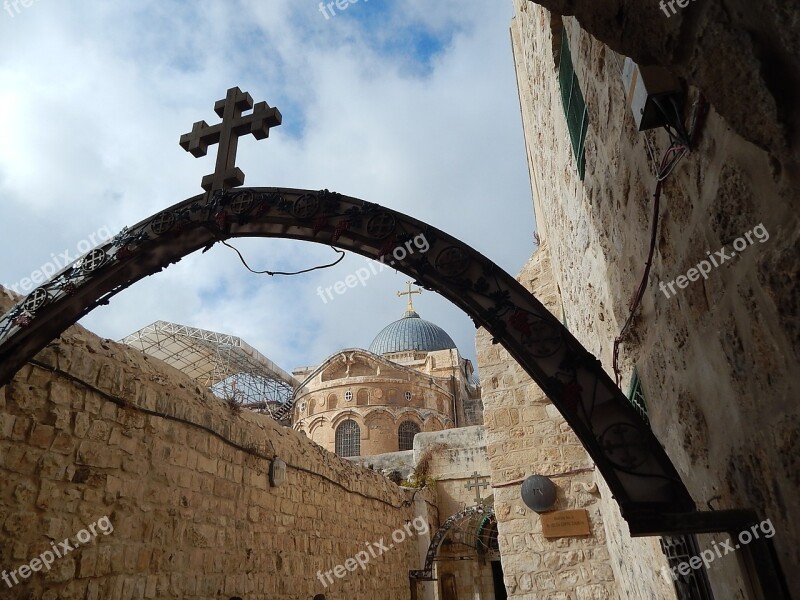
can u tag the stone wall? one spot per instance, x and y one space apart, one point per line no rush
92 429
526 436
455 455
718 359
742 55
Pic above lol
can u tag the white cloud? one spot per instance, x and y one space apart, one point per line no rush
93 99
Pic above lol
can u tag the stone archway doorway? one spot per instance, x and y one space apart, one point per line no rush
466 541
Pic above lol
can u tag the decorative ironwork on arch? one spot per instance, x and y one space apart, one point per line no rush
626 452
629 456
641 476
481 534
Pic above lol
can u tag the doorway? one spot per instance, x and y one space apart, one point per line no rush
497 577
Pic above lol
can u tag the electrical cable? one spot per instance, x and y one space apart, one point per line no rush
125 404
669 161
642 285
273 273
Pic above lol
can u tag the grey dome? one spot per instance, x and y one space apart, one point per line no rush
411 333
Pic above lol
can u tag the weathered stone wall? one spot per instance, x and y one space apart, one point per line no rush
526 436
401 463
455 455
742 55
718 359
94 429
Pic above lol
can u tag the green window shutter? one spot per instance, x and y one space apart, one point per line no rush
636 397
574 105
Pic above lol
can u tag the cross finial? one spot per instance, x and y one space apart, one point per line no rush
227 133
478 483
410 307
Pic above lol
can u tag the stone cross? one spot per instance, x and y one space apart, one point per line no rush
478 483
409 293
227 133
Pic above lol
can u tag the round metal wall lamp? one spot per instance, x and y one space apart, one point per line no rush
539 493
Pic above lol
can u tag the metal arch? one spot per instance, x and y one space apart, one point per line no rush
627 453
426 573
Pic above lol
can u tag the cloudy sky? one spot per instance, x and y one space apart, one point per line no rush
411 104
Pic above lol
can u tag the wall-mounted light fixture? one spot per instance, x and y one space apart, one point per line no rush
277 472
539 493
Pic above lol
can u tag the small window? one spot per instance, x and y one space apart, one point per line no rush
302 407
348 395
408 395
348 439
574 105
406 433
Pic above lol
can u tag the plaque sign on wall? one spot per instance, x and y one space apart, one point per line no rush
565 523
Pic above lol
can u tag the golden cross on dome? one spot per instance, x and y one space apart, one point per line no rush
409 293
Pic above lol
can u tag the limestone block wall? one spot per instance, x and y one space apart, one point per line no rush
526 436
456 455
92 429
717 359
741 54
458 372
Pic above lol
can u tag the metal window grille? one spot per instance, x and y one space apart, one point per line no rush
636 397
407 395
348 439
695 585
348 395
574 105
405 435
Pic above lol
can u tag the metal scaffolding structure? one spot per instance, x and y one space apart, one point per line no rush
232 369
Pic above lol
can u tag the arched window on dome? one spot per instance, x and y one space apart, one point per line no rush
405 435
348 439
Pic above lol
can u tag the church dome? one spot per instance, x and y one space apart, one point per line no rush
411 333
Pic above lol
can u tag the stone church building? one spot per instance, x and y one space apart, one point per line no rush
662 152
412 379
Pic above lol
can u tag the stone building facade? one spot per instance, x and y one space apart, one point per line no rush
525 436
368 402
715 357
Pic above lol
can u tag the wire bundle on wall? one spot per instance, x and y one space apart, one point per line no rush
680 147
